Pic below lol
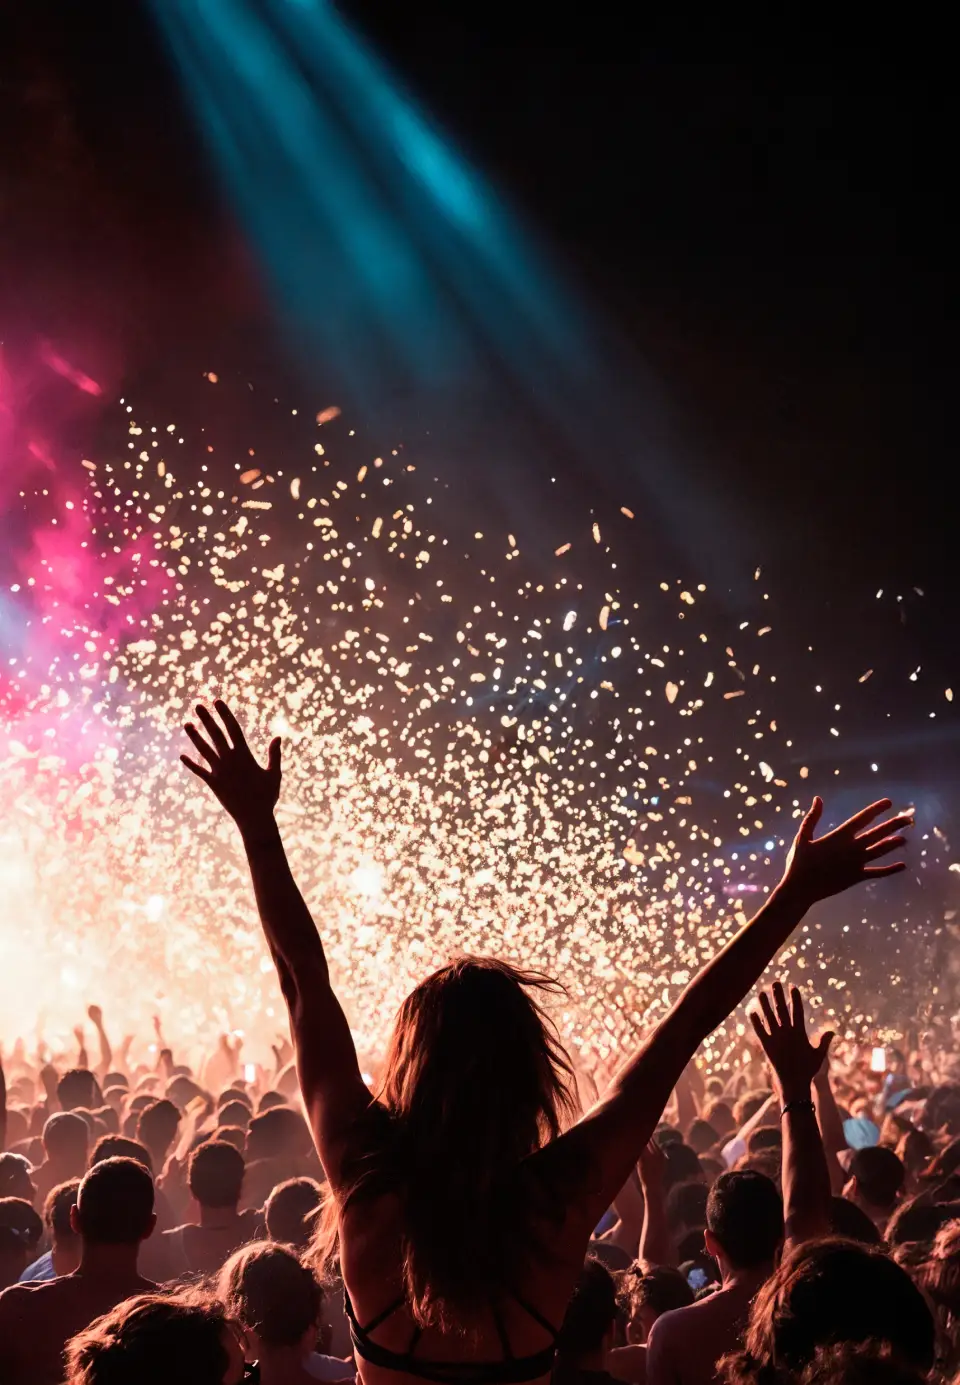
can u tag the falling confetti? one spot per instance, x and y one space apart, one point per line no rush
468 764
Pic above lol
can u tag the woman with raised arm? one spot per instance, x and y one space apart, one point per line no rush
461 1209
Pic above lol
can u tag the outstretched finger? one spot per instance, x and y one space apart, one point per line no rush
234 729
878 872
886 829
811 818
212 729
196 769
883 848
865 816
761 1032
273 756
207 751
768 1014
780 1001
796 1006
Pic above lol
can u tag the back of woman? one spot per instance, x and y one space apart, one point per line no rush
461 1208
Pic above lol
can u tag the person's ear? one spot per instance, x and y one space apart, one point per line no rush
74 1220
151 1228
712 1245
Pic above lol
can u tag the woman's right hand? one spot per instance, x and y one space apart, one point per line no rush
247 789
820 867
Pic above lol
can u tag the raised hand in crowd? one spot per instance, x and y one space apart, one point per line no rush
781 1029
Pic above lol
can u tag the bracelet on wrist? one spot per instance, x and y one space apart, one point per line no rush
800 1104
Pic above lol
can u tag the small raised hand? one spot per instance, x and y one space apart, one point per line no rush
818 867
245 788
782 1032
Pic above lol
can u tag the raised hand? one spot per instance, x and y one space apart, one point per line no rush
823 866
95 1015
248 790
652 1165
783 1037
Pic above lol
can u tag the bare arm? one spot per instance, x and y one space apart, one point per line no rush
806 1181
614 1132
656 1245
106 1052
629 1206
831 1127
83 1060
330 1080
687 1110
754 1123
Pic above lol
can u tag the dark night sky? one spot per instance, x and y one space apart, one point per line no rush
770 231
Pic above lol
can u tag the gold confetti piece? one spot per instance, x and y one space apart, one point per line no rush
738 693
671 691
569 620
295 488
708 680
864 676
247 476
804 772
948 694
764 630
361 473
564 548
596 532
629 513
328 415
756 575
212 376
604 616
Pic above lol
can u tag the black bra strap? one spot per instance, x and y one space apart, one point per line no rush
380 1318
501 1332
531 1312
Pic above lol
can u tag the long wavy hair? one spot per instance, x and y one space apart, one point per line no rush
825 1293
475 1080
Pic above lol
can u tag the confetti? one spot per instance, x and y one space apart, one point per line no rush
468 764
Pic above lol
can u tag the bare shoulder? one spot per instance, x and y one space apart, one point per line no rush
21 1299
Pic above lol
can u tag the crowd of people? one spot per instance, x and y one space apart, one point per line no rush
476 1213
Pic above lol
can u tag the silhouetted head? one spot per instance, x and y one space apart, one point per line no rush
119 1147
646 1294
291 1211
720 1116
115 1204
235 1113
702 1136
15 1180
876 1177
215 1174
66 1137
79 1087
474 1067
267 1290
153 1339
280 1133
475 1080
157 1127
56 1210
826 1293
744 1219
590 1317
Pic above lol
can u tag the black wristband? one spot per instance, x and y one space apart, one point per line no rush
804 1104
